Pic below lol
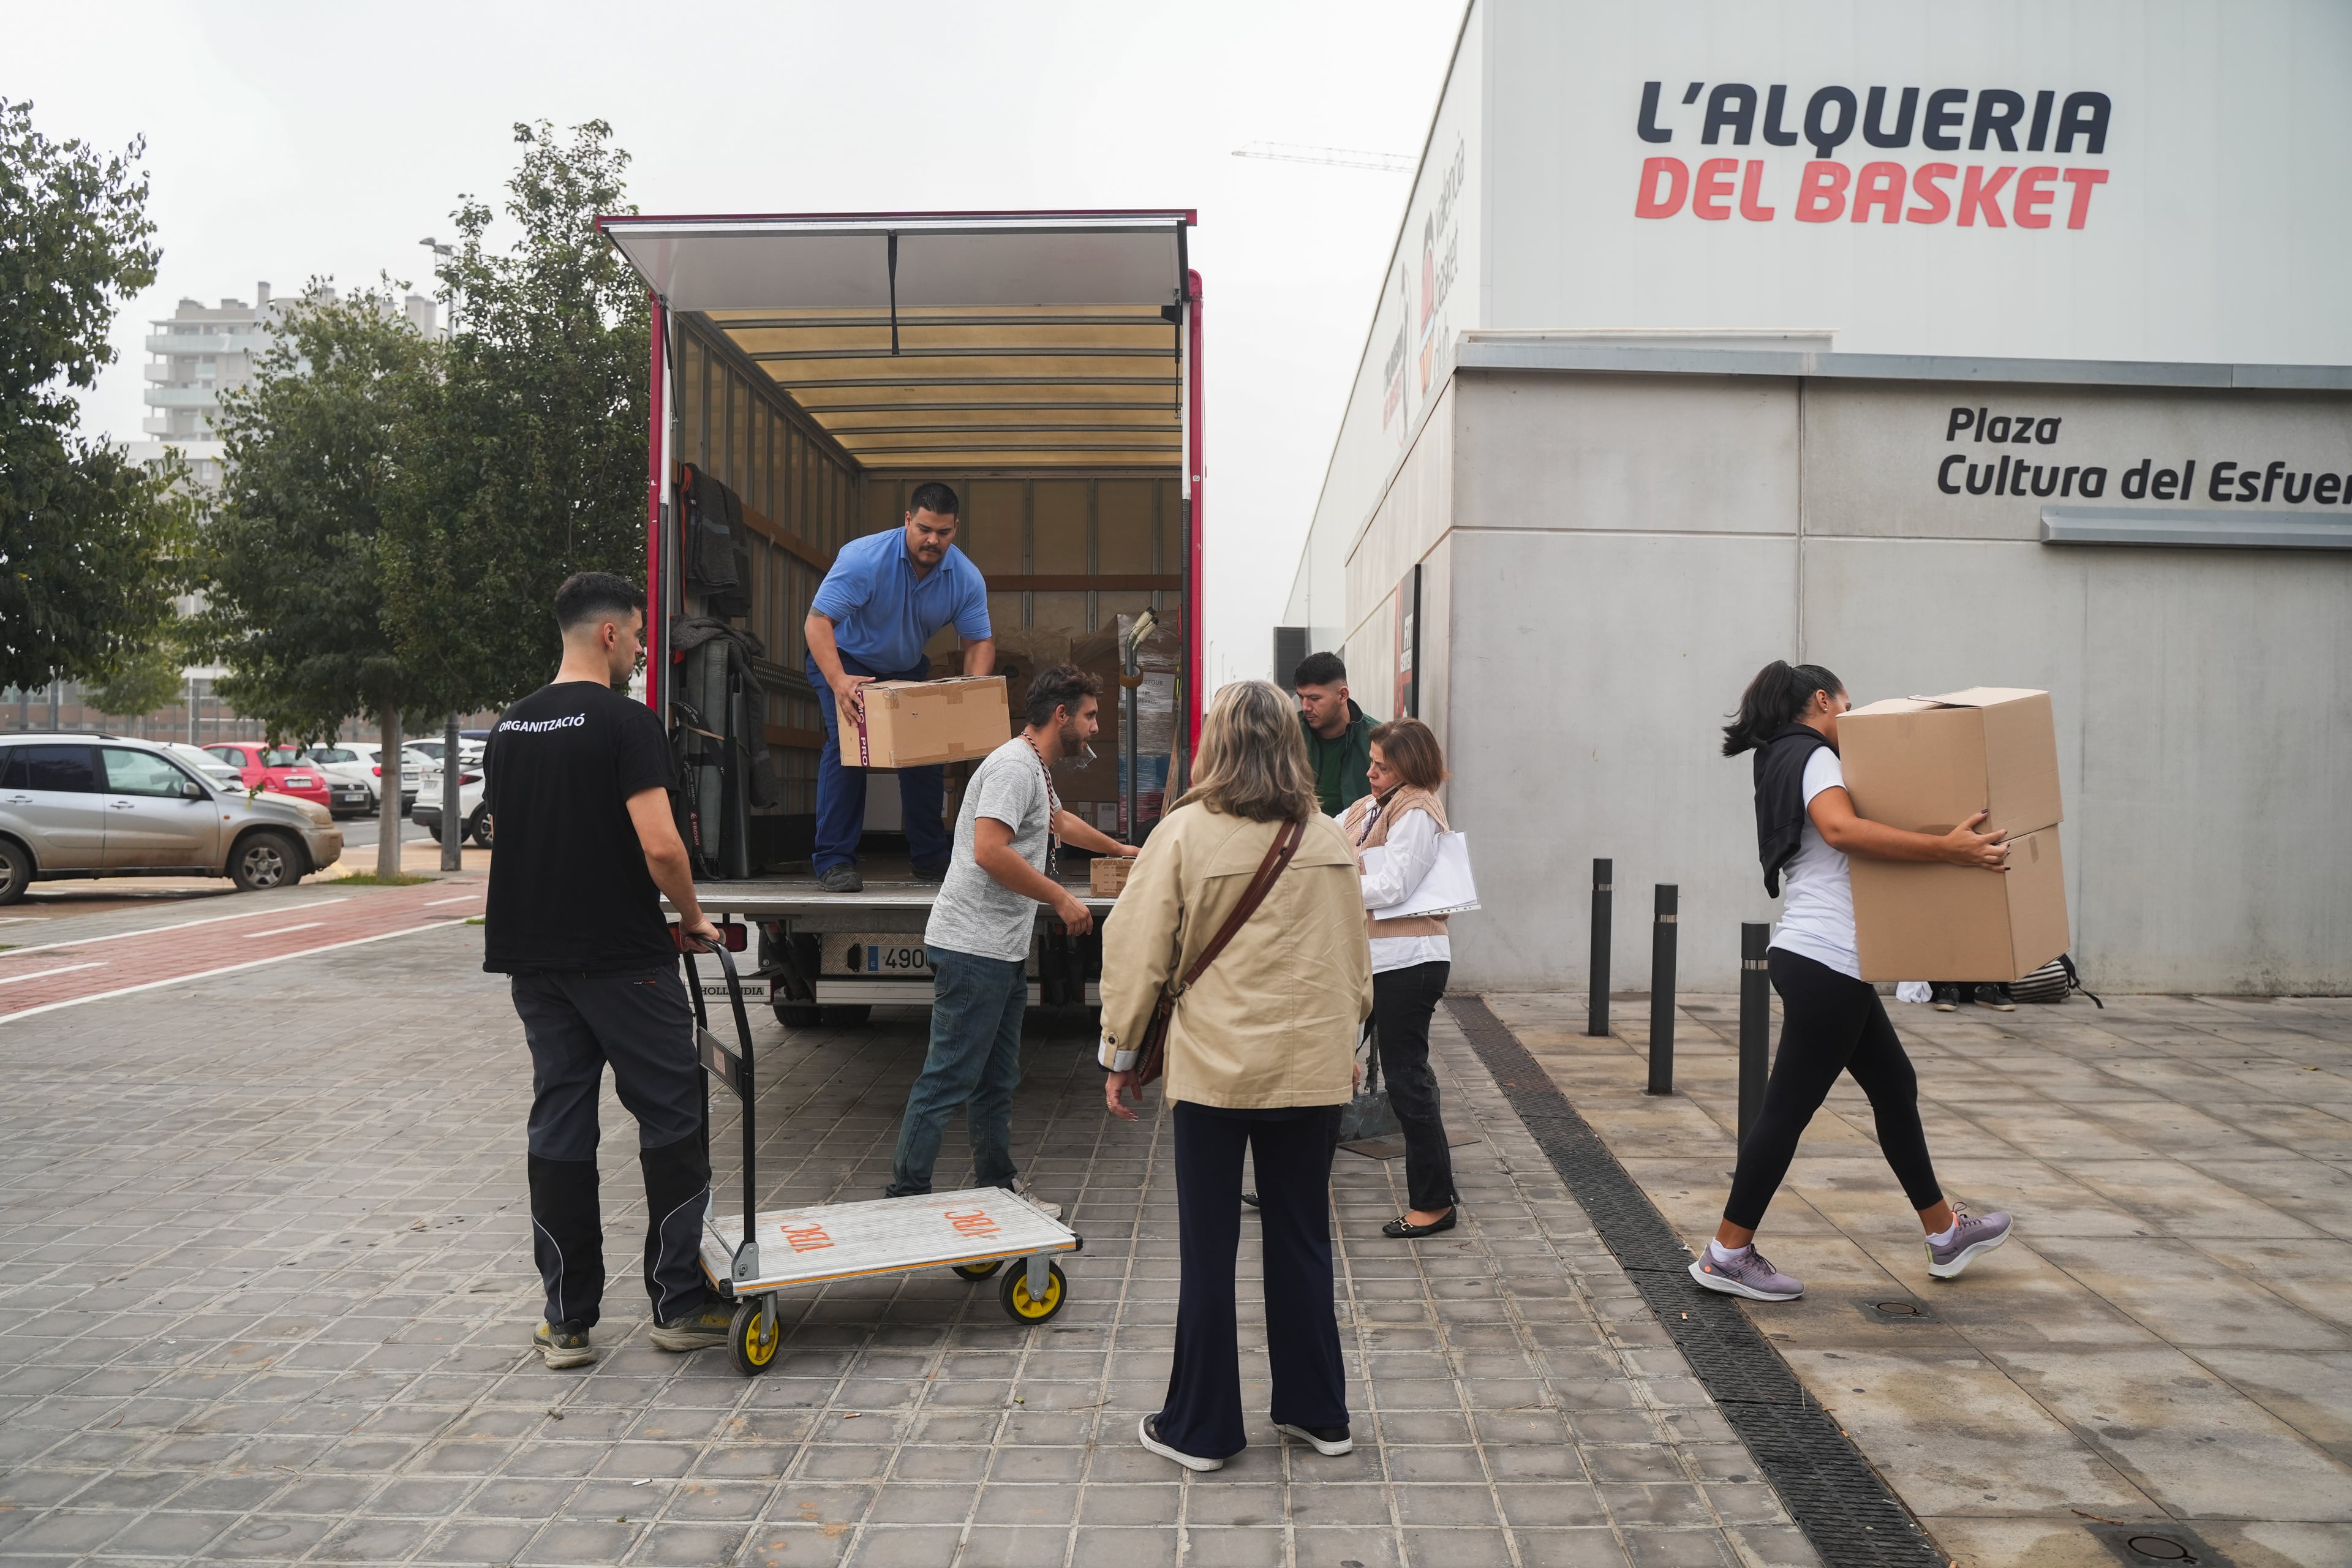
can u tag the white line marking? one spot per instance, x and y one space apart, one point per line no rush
225 969
281 931
66 969
460 898
184 925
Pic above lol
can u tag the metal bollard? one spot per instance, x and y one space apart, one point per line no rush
1661 991
1596 1017
1755 1023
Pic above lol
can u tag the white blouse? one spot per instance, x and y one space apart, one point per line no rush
1411 851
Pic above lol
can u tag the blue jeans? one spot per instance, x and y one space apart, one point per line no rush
974 1062
841 787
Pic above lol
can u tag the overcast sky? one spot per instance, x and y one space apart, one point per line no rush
286 141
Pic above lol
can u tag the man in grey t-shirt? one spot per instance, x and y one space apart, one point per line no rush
979 933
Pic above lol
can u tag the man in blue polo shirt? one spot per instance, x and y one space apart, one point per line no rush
886 597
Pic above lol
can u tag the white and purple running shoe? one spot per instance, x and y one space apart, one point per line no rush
1971 1233
1746 1274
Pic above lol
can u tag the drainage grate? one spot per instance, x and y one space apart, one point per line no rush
1839 1501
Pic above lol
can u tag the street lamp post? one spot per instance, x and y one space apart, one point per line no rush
453 831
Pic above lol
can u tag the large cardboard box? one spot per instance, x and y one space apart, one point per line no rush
1927 764
1916 921
914 723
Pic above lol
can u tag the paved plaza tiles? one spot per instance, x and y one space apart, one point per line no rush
266 1295
2164 1348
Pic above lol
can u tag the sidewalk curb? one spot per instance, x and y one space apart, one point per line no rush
1849 1514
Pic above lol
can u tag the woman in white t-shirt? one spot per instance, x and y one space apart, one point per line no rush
1832 1020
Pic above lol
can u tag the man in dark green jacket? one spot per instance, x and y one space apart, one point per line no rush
1338 733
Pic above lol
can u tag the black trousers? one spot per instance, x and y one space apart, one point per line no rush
1830 1023
642 1023
1291 1150
1403 1002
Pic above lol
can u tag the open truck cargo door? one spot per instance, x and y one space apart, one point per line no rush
816 367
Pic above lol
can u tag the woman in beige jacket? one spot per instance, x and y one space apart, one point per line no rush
1261 1056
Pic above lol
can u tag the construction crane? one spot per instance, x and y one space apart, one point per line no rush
1337 157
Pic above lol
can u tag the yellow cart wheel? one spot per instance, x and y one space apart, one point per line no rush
981 1270
751 1352
1024 1308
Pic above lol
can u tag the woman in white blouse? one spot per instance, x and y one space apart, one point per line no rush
1411 956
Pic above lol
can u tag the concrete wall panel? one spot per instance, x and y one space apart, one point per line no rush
1615 452
1591 677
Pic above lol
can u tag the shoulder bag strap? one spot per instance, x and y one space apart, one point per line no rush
1277 860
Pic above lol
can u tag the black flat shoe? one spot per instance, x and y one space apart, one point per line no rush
1249 1200
1403 1229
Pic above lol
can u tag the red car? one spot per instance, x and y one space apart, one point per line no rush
281 769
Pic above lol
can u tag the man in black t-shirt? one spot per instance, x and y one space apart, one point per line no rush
578 779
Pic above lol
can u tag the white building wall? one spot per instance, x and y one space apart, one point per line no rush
2204 698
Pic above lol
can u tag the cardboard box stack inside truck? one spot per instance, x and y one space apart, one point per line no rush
809 372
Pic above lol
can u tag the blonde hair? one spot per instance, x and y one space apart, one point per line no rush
1253 758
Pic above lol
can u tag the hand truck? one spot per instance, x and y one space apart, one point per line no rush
749 1259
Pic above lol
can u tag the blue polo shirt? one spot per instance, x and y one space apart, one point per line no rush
883 615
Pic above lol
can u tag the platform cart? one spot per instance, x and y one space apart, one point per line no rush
975 1232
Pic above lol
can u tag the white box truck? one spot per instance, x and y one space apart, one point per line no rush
808 372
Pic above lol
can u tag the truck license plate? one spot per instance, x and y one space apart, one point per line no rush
878 955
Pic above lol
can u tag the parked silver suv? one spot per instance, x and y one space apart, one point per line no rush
78 806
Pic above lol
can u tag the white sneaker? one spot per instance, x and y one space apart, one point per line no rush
1020 1189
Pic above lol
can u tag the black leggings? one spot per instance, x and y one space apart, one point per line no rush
1830 1023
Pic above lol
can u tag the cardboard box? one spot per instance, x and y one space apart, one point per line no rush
1106 876
1920 921
914 723
1927 764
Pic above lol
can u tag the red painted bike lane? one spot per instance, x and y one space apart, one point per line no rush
45 976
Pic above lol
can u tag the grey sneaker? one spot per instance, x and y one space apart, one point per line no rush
1021 1189
1946 997
1751 1276
841 879
562 1344
696 1330
1995 997
1973 1234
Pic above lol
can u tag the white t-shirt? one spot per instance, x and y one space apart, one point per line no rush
1816 893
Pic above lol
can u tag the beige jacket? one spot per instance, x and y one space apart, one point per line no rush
1274 1020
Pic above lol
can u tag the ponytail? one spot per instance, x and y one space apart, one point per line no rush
1780 692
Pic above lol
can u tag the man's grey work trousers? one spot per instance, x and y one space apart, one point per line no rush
642 1023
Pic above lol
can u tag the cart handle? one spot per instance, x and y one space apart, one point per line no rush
733 1068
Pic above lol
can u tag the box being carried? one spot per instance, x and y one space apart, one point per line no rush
1107 874
1927 764
914 723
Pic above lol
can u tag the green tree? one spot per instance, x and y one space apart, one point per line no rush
295 607
528 461
141 683
91 545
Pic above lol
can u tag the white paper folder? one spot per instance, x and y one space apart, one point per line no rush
1447 890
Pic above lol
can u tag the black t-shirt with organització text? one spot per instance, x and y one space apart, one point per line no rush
569 887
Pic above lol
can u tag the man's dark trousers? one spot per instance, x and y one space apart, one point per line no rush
641 1022
841 786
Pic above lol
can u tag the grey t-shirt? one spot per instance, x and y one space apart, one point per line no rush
975 913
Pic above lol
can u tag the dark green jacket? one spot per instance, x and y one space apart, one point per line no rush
1354 751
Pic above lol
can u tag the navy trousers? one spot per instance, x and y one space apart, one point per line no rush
1291 1150
841 786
